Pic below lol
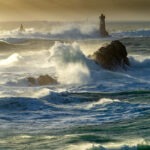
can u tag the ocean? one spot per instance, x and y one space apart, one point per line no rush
90 108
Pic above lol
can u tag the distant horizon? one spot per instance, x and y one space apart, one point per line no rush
107 21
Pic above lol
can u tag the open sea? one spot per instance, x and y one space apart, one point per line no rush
90 108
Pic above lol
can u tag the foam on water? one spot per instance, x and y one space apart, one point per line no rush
73 70
90 108
69 31
14 58
66 111
103 101
132 144
70 63
14 90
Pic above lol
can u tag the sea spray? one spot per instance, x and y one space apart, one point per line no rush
70 31
10 60
73 30
70 63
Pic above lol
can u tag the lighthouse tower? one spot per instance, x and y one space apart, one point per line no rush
102 29
21 28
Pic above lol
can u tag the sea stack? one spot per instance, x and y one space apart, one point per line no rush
103 31
112 56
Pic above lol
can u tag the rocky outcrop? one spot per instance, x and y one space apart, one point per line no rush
112 56
103 31
41 80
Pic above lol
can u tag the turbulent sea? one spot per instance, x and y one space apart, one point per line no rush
90 108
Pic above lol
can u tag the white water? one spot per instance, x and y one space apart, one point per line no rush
42 110
70 63
85 30
73 70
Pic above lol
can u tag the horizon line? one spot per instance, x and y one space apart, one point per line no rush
94 20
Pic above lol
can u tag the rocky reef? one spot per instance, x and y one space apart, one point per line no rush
112 56
42 80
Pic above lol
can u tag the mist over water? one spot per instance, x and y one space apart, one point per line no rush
72 30
90 107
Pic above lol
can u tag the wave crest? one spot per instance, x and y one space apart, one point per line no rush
70 63
10 60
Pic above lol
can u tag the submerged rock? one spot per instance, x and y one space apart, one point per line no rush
112 56
42 80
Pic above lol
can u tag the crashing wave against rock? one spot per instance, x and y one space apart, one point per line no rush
111 57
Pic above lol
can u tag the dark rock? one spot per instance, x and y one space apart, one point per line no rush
112 56
103 31
31 80
42 80
46 79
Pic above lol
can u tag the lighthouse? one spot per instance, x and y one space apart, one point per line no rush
102 29
21 28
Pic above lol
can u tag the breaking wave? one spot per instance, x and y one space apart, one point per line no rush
125 147
89 109
64 32
135 33
14 58
70 63
68 32
67 63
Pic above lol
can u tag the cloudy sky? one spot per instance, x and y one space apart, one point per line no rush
19 10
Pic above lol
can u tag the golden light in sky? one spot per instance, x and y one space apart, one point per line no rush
15 10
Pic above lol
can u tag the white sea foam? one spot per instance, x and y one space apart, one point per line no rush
70 63
31 92
54 106
103 101
140 61
125 145
70 31
74 30
131 144
10 60
82 146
